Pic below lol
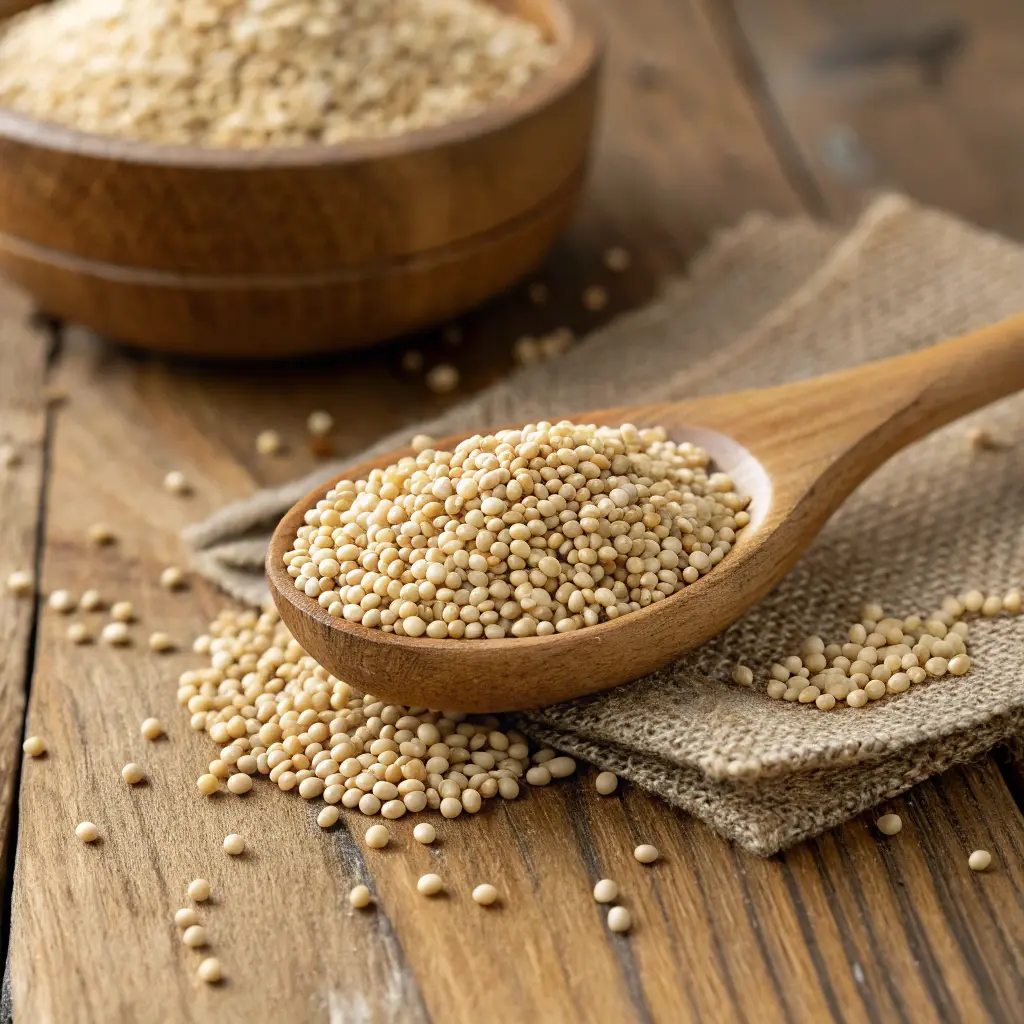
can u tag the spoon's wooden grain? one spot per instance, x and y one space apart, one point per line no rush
798 450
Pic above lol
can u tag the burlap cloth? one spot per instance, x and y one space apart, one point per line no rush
769 302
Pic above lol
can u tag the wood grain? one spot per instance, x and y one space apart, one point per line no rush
23 353
798 451
277 252
920 96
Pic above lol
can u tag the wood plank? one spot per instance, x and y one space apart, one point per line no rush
24 349
921 96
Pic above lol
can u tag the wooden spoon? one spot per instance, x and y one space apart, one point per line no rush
798 450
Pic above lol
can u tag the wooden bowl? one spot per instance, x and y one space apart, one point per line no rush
276 252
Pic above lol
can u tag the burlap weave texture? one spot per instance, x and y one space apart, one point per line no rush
775 301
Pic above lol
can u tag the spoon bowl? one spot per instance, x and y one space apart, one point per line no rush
797 450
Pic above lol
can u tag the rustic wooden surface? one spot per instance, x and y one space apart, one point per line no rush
710 110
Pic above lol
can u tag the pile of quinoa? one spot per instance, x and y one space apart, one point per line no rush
549 528
258 73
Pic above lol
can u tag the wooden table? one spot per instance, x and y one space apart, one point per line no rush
711 109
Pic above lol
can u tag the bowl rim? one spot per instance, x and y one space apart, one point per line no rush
583 52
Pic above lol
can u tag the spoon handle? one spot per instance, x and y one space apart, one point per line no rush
835 430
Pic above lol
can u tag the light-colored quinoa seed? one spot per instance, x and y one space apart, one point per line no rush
208 784
606 783
889 824
160 643
21 583
100 534
210 970
122 611
412 360
319 423
646 854
90 601
546 529
424 833
429 885
617 259
268 442
78 633
606 890
87 832
172 578
359 896
151 729
194 936
619 919
116 634
234 845
199 890
132 773
186 917
421 442
34 746
979 860
485 894
377 837
62 601
252 75
175 482
442 378
594 298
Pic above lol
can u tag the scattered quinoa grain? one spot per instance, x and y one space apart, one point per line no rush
151 729
319 423
175 482
87 832
429 885
208 784
421 442
359 897
377 837
889 824
100 534
979 860
619 919
1013 602
160 643
617 259
194 936
241 783
210 970
606 783
172 578
20 583
742 676
186 917
122 611
34 746
424 833
62 601
442 378
991 606
485 894
594 298
268 442
132 773
78 633
960 665
412 361
328 816
234 845
646 854
90 601
199 890
605 891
